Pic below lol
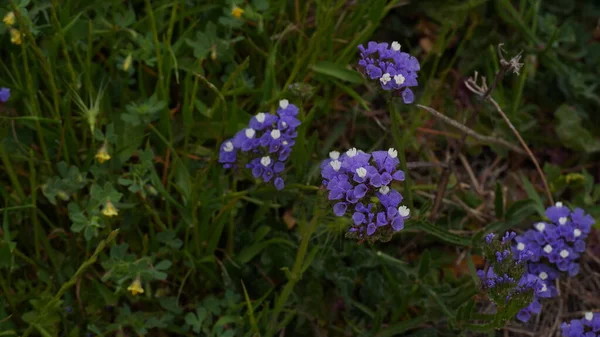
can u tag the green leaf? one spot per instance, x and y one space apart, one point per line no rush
424 264
571 131
440 233
250 252
499 201
534 196
400 328
337 71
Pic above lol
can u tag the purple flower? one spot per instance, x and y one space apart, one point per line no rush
268 141
227 154
4 94
355 177
588 326
395 70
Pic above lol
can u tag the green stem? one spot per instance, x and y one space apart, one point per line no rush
295 275
399 142
63 289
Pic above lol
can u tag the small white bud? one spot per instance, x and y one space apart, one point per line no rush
336 164
250 132
540 226
352 152
548 249
283 124
260 117
396 46
589 316
544 287
558 204
285 142
564 253
284 103
275 134
384 190
543 275
562 220
392 152
399 79
576 232
265 161
361 171
385 78
334 155
404 211
228 147
520 246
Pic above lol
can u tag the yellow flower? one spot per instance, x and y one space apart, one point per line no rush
237 12
127 62
102 155
9 19
109 209
136 287
15 36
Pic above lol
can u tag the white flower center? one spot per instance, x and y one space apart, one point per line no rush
548 249
334 155
558 204
395 46
404 211
385 78
384 190
336 164
399 79
361 171
284 124
392 152
275 134
284 103
520 246
352 152
285 142
544 288
228 147
589 316
577 232
265 161
540 226
260 117
564 253
250 133
562 220
543 275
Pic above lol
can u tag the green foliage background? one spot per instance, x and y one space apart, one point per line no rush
162 83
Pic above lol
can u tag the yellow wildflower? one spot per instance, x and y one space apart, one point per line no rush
9 19
109 209
15 36
237 12
127 62
136 287
102 155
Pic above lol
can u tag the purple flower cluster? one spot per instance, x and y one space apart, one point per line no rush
394 69
578 327
354 178
559 241
553 247
4 94
268 139
512 277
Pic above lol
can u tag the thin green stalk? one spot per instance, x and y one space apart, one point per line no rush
295 275
36 222
400 145
63 289
11 174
